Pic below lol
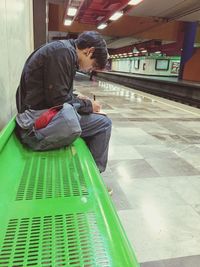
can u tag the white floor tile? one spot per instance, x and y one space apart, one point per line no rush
162 234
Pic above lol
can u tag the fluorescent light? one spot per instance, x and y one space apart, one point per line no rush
67 22
134 2
71 11
116 15
144 51
102 26
157 52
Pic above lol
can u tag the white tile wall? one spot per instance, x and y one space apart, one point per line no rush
16 42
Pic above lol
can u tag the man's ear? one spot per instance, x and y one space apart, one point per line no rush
90 50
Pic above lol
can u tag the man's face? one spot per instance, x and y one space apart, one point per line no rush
86 62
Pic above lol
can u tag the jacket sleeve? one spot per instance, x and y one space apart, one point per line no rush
59 71
83 106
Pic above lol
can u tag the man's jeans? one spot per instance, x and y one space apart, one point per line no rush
96 131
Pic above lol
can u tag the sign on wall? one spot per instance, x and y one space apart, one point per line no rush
175 67
162 64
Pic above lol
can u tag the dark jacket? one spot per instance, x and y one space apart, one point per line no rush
47 78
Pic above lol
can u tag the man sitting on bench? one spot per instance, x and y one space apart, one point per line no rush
47 81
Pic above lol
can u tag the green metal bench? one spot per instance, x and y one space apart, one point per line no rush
55 209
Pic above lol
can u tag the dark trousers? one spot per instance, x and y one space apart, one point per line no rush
96 131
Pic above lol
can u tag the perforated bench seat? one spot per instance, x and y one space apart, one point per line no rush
55 210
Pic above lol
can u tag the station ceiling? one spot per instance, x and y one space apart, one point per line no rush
150 19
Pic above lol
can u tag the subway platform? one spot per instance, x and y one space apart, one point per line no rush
154 170
172 88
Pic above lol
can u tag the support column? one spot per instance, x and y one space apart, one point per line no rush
40 22
188 45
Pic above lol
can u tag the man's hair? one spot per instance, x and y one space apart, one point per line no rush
94 39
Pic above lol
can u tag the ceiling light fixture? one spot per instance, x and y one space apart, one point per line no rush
102 26
71 11
116 15
67 22
134 2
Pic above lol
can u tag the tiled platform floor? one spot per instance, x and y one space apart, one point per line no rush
154 170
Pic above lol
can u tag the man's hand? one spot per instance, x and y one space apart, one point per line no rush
96 106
